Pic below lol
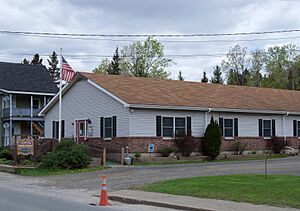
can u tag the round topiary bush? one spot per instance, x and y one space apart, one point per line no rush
67 155
212 139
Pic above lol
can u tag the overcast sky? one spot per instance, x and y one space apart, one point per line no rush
144 17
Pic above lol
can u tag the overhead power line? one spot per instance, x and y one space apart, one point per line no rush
164 41
146 35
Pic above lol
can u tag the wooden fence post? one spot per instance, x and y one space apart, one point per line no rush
104 156
122 155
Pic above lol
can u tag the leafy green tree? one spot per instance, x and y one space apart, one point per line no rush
212 139
204 78
36 60
53 69
145 59
103 67
180 77
25 61
217 76
235 66
257 66
279 61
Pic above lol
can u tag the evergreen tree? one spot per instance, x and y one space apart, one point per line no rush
36 60
180 77
114 68
217 76
212 139
204 78
25 61
53 62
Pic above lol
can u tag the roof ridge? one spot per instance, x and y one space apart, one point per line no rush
193 82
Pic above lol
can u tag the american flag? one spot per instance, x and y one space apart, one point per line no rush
67 71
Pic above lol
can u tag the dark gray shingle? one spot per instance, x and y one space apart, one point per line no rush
26 78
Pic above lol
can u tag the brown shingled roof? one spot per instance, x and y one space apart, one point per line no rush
146 91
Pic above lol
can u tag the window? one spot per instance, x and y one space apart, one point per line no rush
107 127
173 126
298 130
167 126
179 126
267 128
228 127
55 129
81 129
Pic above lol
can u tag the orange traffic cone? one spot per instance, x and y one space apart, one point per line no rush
103 193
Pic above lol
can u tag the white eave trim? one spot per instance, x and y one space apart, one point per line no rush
52 101
108 93
190 108
27 93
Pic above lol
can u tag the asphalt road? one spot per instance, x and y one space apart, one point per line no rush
119 178
12 200
75 192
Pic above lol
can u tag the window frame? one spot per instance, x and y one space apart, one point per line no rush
104 128
263 128
173 126
298 128
226 128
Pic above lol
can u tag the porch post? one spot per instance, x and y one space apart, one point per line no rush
31 106
31 129
10 119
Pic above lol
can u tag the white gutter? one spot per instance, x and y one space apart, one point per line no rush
208 111
27 93
283 119
191 108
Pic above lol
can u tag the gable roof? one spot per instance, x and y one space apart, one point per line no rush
146 91
26 78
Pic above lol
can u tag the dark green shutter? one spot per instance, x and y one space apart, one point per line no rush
114 126
273 128
221 125
158 126
53 129
56 129
260 128
236 127
295 128
63 128
101 126
189 125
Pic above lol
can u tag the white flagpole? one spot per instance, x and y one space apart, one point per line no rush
60 85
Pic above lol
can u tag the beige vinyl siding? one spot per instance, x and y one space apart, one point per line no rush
83 101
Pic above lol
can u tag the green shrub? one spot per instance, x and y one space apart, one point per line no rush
212 139
166 151
239 147
67 155
185 144
6 153
137 155
277 144
26 162
5 161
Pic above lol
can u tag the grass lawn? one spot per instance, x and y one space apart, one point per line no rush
48 172
256 157
276 190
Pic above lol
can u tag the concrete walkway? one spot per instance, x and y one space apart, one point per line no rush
185 202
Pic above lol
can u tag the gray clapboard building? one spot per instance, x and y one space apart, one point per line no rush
118 107
24 91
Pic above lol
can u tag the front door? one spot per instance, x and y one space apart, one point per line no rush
80 130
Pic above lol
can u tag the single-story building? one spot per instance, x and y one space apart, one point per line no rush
135 111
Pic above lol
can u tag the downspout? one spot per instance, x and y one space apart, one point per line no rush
284 134
208 111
